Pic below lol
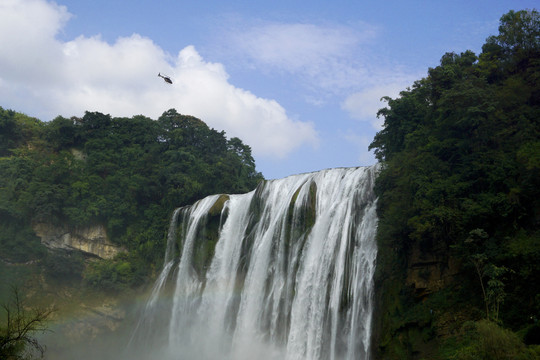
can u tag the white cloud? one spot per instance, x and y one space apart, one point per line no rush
295 46
333 61
45 77
204 90
27 31
326 56
364 104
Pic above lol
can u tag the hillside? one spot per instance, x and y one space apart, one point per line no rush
459 204
119 177
457 272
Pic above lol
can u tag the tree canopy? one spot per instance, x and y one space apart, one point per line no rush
461 168
126 173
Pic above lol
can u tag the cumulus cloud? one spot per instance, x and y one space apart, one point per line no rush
27 31
45 77
204 90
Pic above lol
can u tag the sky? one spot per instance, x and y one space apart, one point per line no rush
300 82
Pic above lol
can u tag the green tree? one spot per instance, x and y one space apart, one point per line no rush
18 329
125 173
459 153
10 133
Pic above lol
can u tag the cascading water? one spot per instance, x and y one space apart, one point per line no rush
282 272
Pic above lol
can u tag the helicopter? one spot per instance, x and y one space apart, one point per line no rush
165 78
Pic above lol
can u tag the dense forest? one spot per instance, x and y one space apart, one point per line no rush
125 173
459 198
459 205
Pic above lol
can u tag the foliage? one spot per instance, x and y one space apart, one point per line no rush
126 173
18 243
485 340
114 275
461 172
18 327
64 264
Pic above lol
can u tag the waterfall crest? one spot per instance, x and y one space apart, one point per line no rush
283 272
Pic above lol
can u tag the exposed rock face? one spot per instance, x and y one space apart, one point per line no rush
91 239
428 272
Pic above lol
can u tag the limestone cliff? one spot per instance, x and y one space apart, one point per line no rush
90 239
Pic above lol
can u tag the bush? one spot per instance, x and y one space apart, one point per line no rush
117 274
532 335
17 340
498 343
485 340
62 264
18 242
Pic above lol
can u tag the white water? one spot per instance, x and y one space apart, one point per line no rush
291 275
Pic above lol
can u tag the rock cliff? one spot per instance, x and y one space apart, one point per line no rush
429 271
90 239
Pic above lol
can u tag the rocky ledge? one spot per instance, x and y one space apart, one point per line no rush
90 239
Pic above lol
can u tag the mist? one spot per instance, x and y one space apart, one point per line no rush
282 272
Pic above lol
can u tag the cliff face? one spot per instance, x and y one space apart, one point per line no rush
90 239
416 296
428 272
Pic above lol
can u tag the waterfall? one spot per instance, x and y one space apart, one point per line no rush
282 272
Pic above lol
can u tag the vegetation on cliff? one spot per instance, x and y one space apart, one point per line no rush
460 202
126 173
20 324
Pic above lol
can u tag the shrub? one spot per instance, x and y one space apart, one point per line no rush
116 274
62 264
485 340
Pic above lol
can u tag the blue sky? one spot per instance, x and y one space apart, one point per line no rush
298 81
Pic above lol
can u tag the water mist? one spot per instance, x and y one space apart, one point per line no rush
283 272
